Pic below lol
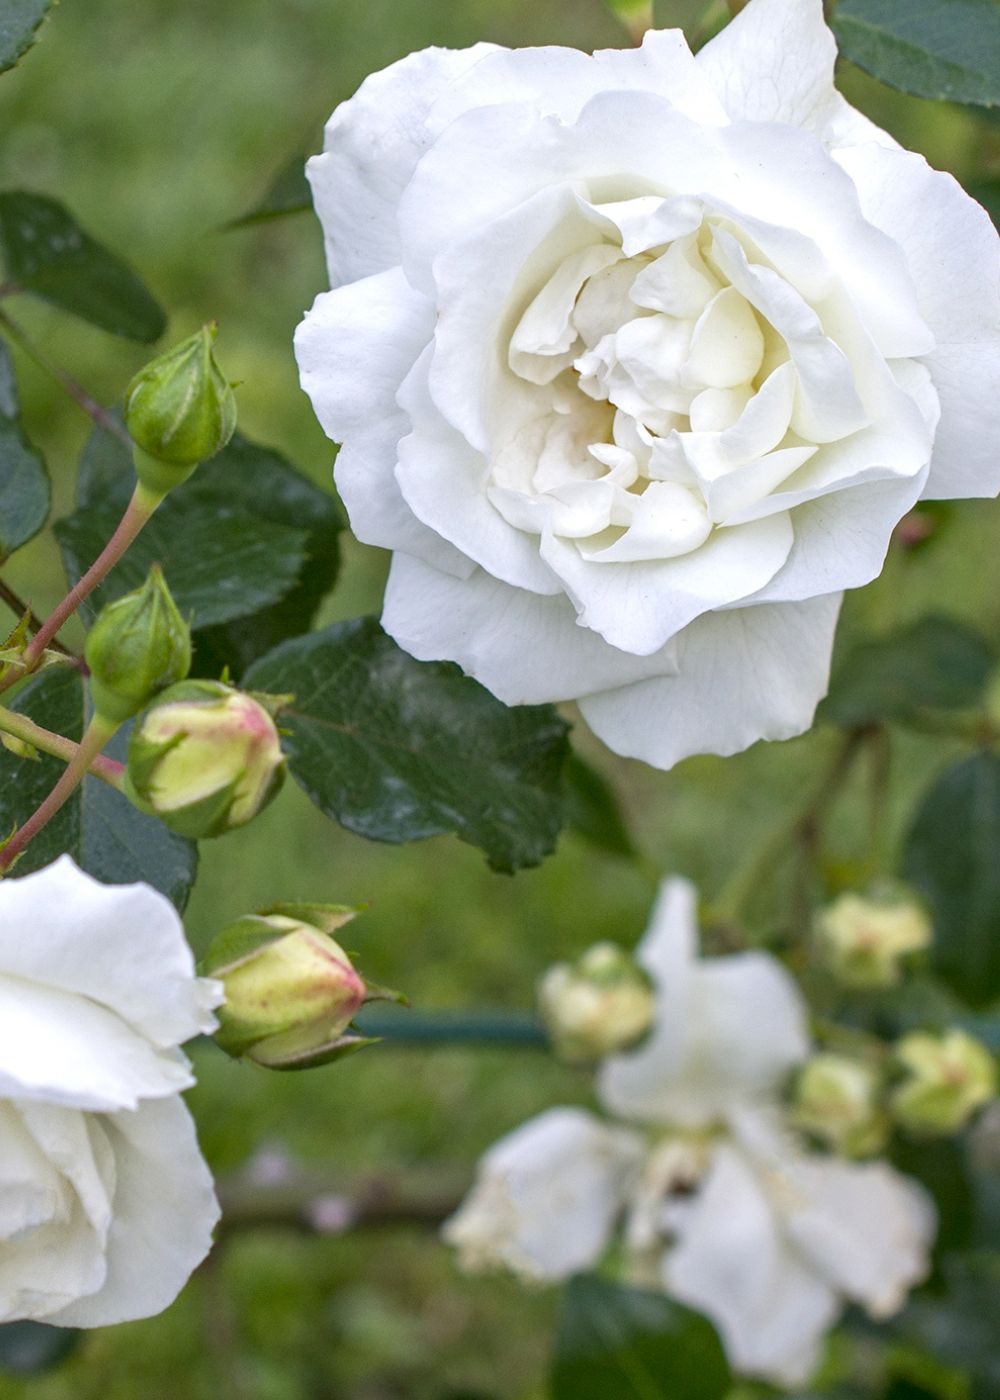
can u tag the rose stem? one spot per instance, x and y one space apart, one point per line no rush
21 609
21 727
96 735
137 512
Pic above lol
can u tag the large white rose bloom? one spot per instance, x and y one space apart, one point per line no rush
637 359
106 1205
722 1206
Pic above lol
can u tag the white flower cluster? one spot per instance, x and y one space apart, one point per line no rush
637 359
723 1207
106 1205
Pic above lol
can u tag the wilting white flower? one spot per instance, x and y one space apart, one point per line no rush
721 1205
637 359
106 1205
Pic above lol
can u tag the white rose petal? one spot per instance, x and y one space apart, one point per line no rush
546 1197
775 1241
640 346
106 1205
728 1030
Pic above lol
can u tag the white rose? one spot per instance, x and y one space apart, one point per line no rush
106 1205
722 1207
637 359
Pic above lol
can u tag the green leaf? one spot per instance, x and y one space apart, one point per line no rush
936 663
19 24
26 1348
945 49
633 1345
24 481
952 857
592 809
249 486
46 252
220 564
961 1326
288 193
100 828
397 749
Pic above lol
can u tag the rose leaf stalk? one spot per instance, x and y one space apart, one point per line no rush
20 727
96 735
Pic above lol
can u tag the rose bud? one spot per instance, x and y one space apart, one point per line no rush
138 646
836 1099
291 990
863 939
949 1077
600 1004
179 410
205 758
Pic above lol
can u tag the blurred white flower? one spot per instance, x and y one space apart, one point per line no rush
637 359
721 1205
106 1205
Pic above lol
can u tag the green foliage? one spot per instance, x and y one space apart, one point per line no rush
935 663
248 544
47 253
19 25
288 193
29 1347
99 828
592 809
24 481
953 858
397 749
633 1345
946 49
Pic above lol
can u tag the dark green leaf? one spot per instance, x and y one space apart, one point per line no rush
397 749
47 253
947 49
288 193
633 1345
942 1167
952 857
19 24
936 663
592 809
24 482
100 829
247 484
219 564
961 1327
29 1347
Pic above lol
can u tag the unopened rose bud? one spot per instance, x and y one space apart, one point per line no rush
179 410
138 646
600 1004
291 990
837 1100
205 758
863 939
949 1077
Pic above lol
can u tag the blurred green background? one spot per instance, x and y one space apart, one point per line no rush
156 123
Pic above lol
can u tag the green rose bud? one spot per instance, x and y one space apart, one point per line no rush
138 646
179 410
601 1003
949 1077
863 939
205 758
291 990
836 1099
